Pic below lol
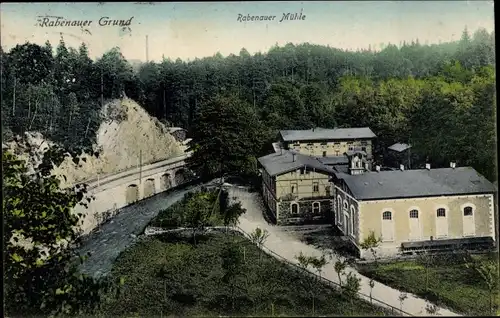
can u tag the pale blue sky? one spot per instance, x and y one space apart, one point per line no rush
189 30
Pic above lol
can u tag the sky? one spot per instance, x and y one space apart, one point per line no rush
189 30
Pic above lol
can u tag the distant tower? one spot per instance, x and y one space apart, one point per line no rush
147 49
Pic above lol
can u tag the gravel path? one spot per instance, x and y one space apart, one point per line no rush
288 246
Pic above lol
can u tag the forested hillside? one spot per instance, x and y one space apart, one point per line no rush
440 97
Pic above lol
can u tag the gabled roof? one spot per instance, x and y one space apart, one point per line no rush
416 183
283 162
399 147
327 134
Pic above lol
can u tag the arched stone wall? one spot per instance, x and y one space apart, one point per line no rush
180 176
165 182
132 194
149 188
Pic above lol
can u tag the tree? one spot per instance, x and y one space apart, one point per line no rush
488 271
371 243
258 237
428 260
232 262
340 266
304 263
231 212
402 297
199 209
318 263
225 137
40 275
351 287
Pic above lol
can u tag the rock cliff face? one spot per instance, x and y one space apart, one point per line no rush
127 136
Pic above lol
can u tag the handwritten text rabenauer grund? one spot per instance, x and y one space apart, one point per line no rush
47 21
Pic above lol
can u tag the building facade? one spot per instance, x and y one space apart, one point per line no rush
320 142
296 188
414 210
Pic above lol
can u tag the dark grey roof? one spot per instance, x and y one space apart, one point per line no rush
417 183
399 147
327 134
279 163
343 169
334 160
355 152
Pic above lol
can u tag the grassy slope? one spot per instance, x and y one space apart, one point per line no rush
449 282
192 283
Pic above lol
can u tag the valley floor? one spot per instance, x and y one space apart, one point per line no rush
166 275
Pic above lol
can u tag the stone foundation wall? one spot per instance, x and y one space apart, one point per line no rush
305 213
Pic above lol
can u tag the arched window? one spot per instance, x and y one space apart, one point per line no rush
316 207
346 206
468 211
339 207
414 214
351 219
295 209
441 213
387 215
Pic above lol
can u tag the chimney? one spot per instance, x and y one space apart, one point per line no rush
366 166
313 128
402 167
452 165
281 148
428 166
377 168
293 157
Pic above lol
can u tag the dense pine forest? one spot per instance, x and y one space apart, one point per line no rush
441 97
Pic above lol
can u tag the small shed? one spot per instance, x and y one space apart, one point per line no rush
399 154
178 133
399 147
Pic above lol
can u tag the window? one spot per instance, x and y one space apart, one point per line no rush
441 213
295 209
293 188
315 187
387 215
413 214
316 207
351 219
345 205
337 153
351 148
467 211
324 153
